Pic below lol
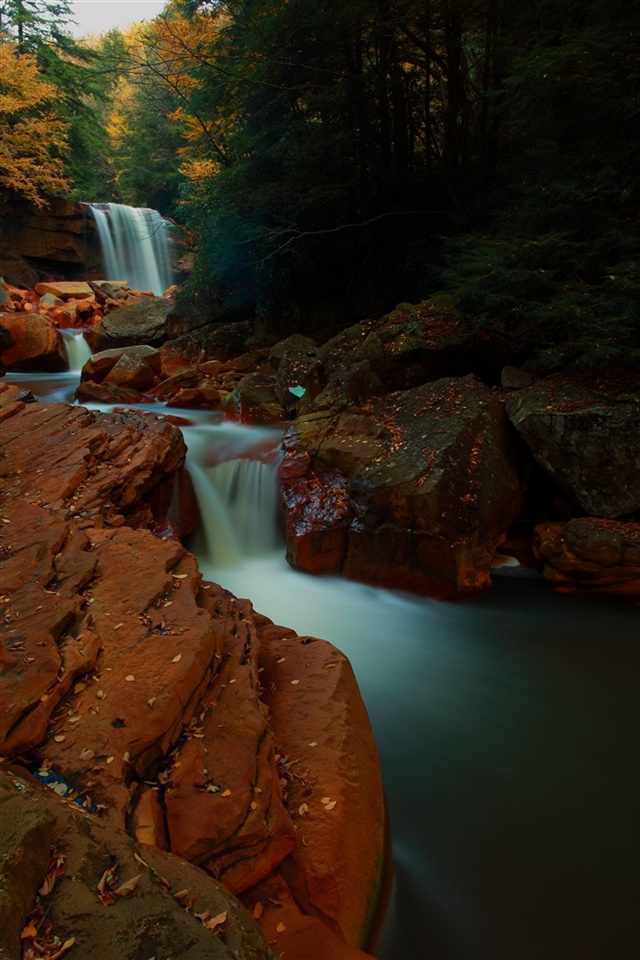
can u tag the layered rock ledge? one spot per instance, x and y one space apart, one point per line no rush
191 740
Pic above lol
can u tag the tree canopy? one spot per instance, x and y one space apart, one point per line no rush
33 137
337 158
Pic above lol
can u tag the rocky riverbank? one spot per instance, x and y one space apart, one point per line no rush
411 459
170 716
215 772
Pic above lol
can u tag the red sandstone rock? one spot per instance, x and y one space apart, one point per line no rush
37 343
65 290
591 555
99 366
223 799
140 685
333 788
108 393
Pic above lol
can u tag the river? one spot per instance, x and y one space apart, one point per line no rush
507 728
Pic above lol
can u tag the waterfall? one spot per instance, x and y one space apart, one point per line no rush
78 350
237 494
136 246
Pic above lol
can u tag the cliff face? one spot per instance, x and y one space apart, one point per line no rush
59 240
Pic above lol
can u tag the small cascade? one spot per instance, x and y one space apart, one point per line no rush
78 350
136 246
237 497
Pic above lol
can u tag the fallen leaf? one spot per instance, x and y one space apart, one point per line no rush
59 738
128 886
254 805
314 743
281 927
294 682
180 576
181 894
110 759
258 910
106 878
130 677
29 931
63 949
216 921
302 809
330 806
86 754
325 800
176 658
226 793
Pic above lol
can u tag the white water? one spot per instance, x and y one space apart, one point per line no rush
503 728
78 350
136 246
507 730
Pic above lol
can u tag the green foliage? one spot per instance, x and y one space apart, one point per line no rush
31 23
549 262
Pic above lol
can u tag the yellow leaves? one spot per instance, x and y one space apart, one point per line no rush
198 170
31 133
258 910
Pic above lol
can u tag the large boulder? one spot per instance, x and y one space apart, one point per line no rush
101 895
141 322
415 491
37 344
134 368
214 342
584 430
591 555
413 344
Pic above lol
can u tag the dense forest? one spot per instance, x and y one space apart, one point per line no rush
330 160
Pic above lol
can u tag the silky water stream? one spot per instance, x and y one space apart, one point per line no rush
507 728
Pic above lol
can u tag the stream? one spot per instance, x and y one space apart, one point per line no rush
507 728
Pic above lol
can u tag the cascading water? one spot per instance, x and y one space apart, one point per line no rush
239 493
507 730
78 350
136 246
503 728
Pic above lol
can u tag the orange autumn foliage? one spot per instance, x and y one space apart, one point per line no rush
32 135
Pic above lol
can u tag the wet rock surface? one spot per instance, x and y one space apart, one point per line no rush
584 430
37 344
166 707
141 322
591 555
415 491
61 872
